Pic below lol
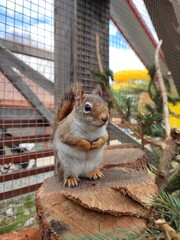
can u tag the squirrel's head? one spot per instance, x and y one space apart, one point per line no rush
91 108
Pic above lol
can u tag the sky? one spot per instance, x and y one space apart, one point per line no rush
120 52
31 22
32 19
121 55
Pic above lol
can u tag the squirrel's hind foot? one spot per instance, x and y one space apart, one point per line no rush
71 182
95 175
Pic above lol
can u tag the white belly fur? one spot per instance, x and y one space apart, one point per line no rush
76 162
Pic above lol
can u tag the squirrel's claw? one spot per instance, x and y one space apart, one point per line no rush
95 175
71 182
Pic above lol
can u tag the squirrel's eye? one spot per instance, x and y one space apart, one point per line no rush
87 107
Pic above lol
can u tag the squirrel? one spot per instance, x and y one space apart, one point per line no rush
80 134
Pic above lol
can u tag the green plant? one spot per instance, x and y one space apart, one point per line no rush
23 209
151 124
146 123
168 208
131 92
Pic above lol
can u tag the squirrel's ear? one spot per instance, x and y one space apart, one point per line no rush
98 90
79 92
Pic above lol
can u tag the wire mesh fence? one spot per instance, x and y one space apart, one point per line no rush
26 65
44 46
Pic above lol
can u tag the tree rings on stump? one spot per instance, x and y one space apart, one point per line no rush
118 200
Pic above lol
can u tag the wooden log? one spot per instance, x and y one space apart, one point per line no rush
134 158
118 200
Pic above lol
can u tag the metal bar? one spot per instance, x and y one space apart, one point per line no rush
117 133
25 90
13 61
18 123
8 141
20 191
24 157
25 173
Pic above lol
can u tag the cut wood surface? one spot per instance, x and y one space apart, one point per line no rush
67 218
114 203
132 158
118 200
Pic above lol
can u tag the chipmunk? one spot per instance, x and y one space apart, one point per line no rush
80 134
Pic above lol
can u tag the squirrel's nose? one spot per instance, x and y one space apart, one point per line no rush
104 118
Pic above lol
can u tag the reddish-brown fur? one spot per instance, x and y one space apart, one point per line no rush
66 103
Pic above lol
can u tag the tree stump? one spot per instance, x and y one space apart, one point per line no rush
118 200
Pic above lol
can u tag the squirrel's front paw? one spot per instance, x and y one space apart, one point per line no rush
83 144
71 182
98 143
95 175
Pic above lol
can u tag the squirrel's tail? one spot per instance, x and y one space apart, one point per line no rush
66 103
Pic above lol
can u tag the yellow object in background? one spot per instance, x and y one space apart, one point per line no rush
126 75
117 86
174 121
122 78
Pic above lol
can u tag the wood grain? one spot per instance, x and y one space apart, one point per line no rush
117 200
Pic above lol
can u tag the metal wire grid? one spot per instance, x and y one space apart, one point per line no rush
27 30
142 24
76 27
27 45
165 16
92 21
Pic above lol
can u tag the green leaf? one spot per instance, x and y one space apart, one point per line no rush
103 76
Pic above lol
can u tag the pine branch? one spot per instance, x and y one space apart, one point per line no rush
168 229
168 208
174 114
115 105
174 181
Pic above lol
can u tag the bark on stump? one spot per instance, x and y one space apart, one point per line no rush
118 200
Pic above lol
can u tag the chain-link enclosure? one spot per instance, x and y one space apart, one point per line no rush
46 45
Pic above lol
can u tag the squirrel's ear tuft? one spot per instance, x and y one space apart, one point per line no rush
78 92
97 90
